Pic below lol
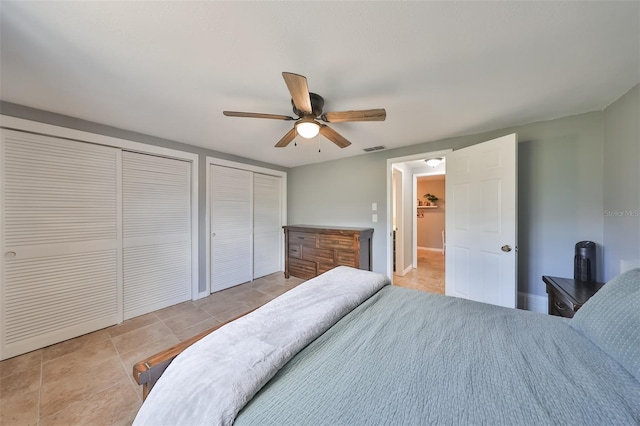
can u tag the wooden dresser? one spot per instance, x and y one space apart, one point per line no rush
312 250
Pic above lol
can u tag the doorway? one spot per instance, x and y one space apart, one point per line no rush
428 244
418 229
428 276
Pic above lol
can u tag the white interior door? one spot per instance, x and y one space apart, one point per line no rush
156 194
231 226
267 225
481 222
61 250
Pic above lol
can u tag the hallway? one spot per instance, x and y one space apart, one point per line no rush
428 276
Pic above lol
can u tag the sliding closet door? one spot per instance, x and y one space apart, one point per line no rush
267 225
61 255
231 226
156 198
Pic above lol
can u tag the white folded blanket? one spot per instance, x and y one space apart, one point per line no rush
213 379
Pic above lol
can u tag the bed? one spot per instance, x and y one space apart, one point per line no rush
346 348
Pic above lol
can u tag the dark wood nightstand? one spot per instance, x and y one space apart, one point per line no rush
566 296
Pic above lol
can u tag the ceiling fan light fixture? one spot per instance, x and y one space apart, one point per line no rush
433 162
307 128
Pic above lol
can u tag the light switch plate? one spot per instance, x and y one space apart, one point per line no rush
374 206
374 217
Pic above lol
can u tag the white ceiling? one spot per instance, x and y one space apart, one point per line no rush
441 69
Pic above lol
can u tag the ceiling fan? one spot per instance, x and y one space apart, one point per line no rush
308 107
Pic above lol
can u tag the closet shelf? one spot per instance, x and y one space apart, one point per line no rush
427 207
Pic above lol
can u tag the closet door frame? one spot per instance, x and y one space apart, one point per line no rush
20 124
242 166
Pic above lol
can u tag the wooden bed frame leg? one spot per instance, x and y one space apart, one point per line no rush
145 391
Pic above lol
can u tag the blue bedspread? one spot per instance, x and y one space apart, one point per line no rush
405 357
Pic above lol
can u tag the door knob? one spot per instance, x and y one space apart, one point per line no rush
506 248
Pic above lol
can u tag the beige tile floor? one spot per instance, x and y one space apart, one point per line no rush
88 380
428 276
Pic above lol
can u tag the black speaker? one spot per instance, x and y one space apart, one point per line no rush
584 261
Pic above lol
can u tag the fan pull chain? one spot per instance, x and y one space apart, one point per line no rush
318 137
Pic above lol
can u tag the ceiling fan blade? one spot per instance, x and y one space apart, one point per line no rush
256 115
334 136
286 139
378 114
297 85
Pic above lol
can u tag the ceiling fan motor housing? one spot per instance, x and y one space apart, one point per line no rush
317 103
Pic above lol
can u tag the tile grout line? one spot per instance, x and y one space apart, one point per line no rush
124 367
40 387
86 396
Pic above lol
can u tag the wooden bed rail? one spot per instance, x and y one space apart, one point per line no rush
148 371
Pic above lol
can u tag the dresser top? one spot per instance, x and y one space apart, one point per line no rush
320 228
578 291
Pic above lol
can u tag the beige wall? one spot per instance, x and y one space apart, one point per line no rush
431 222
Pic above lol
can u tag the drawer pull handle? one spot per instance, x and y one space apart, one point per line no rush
560 306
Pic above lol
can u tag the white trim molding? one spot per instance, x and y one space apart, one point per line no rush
533 302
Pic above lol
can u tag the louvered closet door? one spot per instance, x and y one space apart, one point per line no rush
60 249
231 227
156 211
267 225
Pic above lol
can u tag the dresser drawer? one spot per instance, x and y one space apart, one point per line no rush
302 269
295 251
318 255
302 238
335 241
346 257
558 304
324 267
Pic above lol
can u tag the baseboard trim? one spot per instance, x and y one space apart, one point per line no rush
405 272
430 248
533 302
